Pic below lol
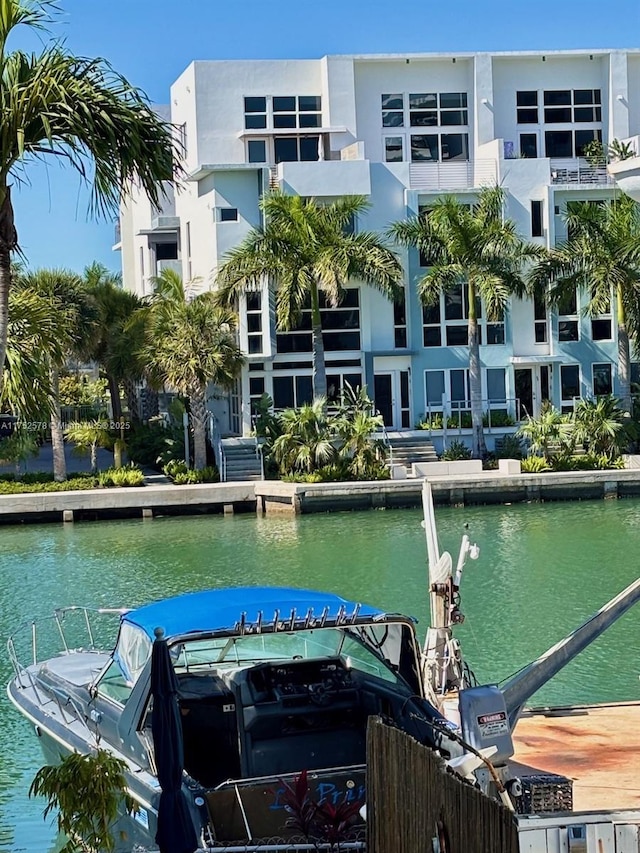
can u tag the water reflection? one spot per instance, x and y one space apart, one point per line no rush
543 569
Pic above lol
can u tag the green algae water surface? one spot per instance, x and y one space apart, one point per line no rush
542 570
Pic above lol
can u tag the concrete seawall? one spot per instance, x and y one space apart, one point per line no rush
272 496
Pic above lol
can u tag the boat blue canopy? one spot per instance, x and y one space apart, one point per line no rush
222 609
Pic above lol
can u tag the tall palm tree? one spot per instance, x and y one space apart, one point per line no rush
75 319
304 249
478 248
190 344
120 334
601 258
77 109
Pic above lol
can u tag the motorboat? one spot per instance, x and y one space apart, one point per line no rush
275 682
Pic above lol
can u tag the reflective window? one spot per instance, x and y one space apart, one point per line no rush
529 145
602 382
392 110
558 143
455 146
393 149
434 387
584 137
257 150
569 381
536 219
424 148
496 386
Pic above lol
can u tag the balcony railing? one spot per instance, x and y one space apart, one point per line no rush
454 175
578 171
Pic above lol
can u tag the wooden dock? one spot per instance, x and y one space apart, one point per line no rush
598 747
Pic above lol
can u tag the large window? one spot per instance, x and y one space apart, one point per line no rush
447 389
602 325
393 152
255 113
337 382
454 306
569 385
292 391
540 319
302 111
496 385
602 381
257 150
536 218
569 143
429 109
393 110
400 323
293 149
254 322
568 325
559 107
434 147
340 327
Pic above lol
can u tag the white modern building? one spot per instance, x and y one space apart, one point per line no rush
402 130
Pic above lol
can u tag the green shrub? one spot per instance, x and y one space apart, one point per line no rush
148 444
181 475
499 418
534 465
509 448
459 420
9 487
436 421
456 450
119 477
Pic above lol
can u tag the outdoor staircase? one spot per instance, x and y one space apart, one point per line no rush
407 449
241 460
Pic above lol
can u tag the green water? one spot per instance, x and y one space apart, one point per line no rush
542 570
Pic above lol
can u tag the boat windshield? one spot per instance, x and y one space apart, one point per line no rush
377 649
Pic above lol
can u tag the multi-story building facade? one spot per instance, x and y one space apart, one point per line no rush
401 130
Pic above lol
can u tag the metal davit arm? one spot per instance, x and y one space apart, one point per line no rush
523 685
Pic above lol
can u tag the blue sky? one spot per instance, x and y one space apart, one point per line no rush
152 41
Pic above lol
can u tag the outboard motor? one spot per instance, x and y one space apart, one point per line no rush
485 722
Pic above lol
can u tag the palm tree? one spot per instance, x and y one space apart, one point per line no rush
88 436
306 442
79 110
190 344
33 340
603 426
75 319
304 249
600 257
118 341
474 246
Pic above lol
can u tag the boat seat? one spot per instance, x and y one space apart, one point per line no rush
78 668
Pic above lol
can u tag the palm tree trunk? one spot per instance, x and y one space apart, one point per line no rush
57 437
8 242
131 396
114 393
479 448
198 407
624 358
319 368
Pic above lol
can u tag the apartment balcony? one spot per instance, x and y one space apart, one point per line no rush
626 174
323 177
454 175
573 172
